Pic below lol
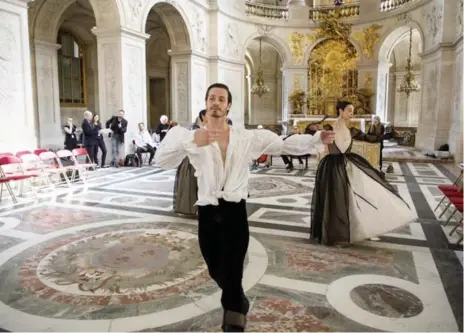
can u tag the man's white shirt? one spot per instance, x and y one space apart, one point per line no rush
229 181
143 138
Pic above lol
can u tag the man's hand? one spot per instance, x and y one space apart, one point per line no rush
327 137
204 137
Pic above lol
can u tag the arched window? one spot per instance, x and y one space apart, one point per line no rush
71 70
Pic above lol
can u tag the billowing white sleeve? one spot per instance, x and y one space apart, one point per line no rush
265 142
176 145
302 144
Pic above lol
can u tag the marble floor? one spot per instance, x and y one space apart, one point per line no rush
112 256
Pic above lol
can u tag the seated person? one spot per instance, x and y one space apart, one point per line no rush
144 143
287 159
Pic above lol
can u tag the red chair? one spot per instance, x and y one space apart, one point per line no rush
83 152
449 191
453 201
15 173
40 151
458 208
21 153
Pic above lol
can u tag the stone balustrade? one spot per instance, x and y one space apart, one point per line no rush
347 11
389 5
266 11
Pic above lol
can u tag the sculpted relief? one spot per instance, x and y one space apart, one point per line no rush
9 63
182 92
430 104
434 23
231 46
110 78
134 75
133 10
368 39
199 29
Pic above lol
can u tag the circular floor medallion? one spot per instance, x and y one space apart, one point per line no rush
387 301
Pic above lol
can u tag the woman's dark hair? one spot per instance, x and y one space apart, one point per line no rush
202 114
221 86
93 119
341 105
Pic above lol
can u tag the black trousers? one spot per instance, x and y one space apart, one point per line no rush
91 151
288 160
145 149
224 236
102 146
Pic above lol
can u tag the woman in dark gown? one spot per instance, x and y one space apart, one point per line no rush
185 185
352 201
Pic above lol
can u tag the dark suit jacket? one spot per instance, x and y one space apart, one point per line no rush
90 135
118 132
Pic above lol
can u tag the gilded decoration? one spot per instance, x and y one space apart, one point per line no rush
298 45
332 75
368 39
297 98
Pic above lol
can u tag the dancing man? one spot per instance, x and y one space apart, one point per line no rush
221 155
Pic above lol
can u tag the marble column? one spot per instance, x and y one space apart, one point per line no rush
48 94
383 72
437 101
18 124
292 78
122 78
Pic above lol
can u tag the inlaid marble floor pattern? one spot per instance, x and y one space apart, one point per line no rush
112 256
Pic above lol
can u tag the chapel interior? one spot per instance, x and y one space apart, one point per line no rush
96 249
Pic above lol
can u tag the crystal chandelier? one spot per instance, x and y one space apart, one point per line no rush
260 88
409 83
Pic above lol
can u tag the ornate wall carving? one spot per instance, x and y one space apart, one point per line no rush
135 77
199 86
459 11
232 75
200 31
133 12
434 17
10 64
181 93
232 45
111 85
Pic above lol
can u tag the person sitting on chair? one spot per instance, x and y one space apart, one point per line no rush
144 144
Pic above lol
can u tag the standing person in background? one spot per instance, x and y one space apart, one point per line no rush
100 141
70 139
377 129
118 126
89 135
163 127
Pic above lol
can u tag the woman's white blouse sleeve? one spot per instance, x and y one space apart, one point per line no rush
267 142
175 146
301 144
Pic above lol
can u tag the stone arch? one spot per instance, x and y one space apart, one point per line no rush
48 13
389 40
320 40
175 20
281 47
83 35
249 61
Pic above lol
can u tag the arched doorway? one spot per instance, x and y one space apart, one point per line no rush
167 56
265 109
64 62
333 75
403 110
393 106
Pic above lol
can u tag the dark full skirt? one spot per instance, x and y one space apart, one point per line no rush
330 205
185 189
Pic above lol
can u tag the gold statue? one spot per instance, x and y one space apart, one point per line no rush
368 38
368 81
296 47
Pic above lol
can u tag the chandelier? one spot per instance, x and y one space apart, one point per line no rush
409 83
260 88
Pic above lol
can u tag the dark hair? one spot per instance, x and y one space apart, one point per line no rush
341 105
202 114
221 86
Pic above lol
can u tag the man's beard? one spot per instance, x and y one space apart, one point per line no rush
216 113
